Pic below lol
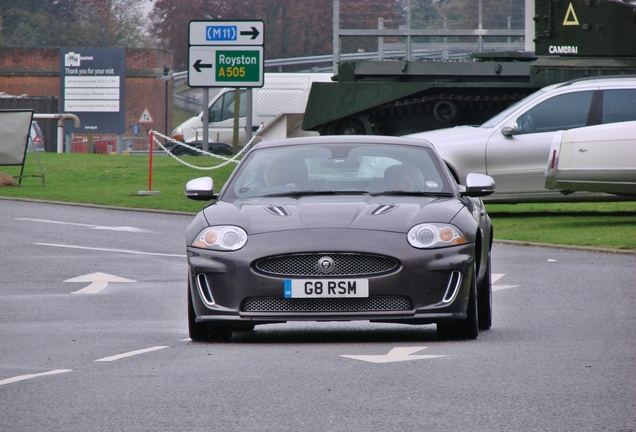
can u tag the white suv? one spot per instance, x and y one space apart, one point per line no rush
513 147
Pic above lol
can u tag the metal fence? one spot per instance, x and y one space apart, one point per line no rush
497 29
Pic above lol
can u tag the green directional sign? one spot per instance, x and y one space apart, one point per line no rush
238 66
213 66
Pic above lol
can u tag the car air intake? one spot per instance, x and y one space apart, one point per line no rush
280 304
343 265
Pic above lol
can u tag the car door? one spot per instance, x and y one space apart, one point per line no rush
603 158
517 162
221 119
598 158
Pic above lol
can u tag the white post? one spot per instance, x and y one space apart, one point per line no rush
205 120
529 34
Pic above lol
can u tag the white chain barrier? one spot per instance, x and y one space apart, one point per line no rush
227 161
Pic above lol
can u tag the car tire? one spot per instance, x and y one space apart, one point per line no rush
484 298
467 328
354 125
205 332
180 150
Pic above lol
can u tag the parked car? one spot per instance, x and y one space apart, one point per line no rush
36 138
513 147
312 229
596 158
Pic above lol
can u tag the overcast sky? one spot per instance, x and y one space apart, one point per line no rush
147 6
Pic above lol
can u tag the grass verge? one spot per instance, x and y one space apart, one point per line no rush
117 180
114 180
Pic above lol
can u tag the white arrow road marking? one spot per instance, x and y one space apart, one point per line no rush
495 277
98 281
130 354
98 227
26 377
395 355
111 250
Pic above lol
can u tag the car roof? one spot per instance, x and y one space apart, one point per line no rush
344 139
628 80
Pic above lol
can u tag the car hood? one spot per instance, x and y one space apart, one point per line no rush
394 213
459 134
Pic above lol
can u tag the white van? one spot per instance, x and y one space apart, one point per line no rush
282 93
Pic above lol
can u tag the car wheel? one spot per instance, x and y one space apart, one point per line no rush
445 111
180 150
223 150
484 298
355 125
467 328
205 332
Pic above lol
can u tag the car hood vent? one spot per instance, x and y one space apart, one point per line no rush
278 210
383 209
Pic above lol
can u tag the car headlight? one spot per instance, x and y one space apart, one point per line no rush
223 238
177 133
425 236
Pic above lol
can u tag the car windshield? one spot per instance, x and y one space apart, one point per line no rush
338 169
505 113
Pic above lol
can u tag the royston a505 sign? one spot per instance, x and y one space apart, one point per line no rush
225 54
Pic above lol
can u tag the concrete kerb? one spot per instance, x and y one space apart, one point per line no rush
173 212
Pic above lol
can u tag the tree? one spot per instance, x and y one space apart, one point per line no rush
83 23
293 28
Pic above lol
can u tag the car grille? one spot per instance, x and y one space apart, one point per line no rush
343 265
351 304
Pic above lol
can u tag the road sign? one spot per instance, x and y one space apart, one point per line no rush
146 117
236 66
225 54
226 33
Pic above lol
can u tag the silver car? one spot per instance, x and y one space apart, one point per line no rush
514 146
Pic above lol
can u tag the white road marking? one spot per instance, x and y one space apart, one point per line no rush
130 354
98 281
26 377
97 227
495 277
111 250
503 287
395 355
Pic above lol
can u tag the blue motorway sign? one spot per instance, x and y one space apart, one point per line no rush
226 33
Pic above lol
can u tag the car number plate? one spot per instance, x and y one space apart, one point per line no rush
326 288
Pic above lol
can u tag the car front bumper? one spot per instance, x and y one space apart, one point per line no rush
426 286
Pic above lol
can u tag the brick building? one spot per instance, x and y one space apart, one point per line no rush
35 73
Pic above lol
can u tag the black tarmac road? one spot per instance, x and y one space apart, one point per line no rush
93 337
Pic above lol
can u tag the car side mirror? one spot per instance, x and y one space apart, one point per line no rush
200 189
508 131
478 185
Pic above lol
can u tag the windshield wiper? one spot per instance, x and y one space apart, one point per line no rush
297 193
412 193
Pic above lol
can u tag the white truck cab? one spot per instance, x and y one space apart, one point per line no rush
282 93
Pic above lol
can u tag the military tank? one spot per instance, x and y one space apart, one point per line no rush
573 39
